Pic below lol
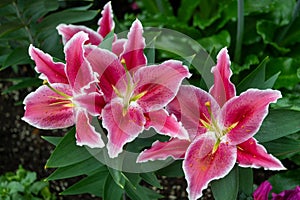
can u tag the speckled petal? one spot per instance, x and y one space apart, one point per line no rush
174 148
223 89
251 154
246 113
85 132
121 127
165 124
52 71
160 83
45 109
201 166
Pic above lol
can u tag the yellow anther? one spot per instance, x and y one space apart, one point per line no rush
123 62
205 124
117 91
232 126
138 96
207 104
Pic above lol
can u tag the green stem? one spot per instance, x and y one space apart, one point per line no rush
23 22
283 33
240 31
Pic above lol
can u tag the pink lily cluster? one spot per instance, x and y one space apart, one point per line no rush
221 127
116 86
210 131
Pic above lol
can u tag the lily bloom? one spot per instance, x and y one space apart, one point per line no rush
69 95
262 193
136 94
106 25
221 127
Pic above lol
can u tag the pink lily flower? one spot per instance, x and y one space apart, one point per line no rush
221 127
106 25
69 95
136 94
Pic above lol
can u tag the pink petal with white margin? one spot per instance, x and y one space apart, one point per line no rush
106 64
93 102
174 148
53 72
160 84
85 132
200 166
165 124
78 70
223 89
134 48
106 23
121 128
118 46
252 154
247 111
45 109
189 107
68 31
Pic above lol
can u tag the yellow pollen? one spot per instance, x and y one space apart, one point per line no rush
123 62
207 104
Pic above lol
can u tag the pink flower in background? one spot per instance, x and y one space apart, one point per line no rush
69 95
262 193
135 94
221 127
106 25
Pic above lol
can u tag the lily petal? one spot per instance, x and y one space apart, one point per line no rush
165 124
251 154
118 46
53 71
159 83
92 102
121 128
201 166
134 48
174 148
106 23
106 64
262 192
68 31
189 106
45 109
247 112
85 132
78 70
223 89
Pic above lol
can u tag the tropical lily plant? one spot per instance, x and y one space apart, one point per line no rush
221 127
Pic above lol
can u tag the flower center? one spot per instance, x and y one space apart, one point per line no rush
65 99
128 95
214 126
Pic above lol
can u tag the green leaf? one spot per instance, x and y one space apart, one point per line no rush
151 179
285 181
68 16
111 190
186 9
277 124
246 180
256 79
216 42
173 170
135 193
52 139
84 167
9 27
16 57
118 177
92 184
288 67
283 147
227 187
107 41
67 152
24 83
